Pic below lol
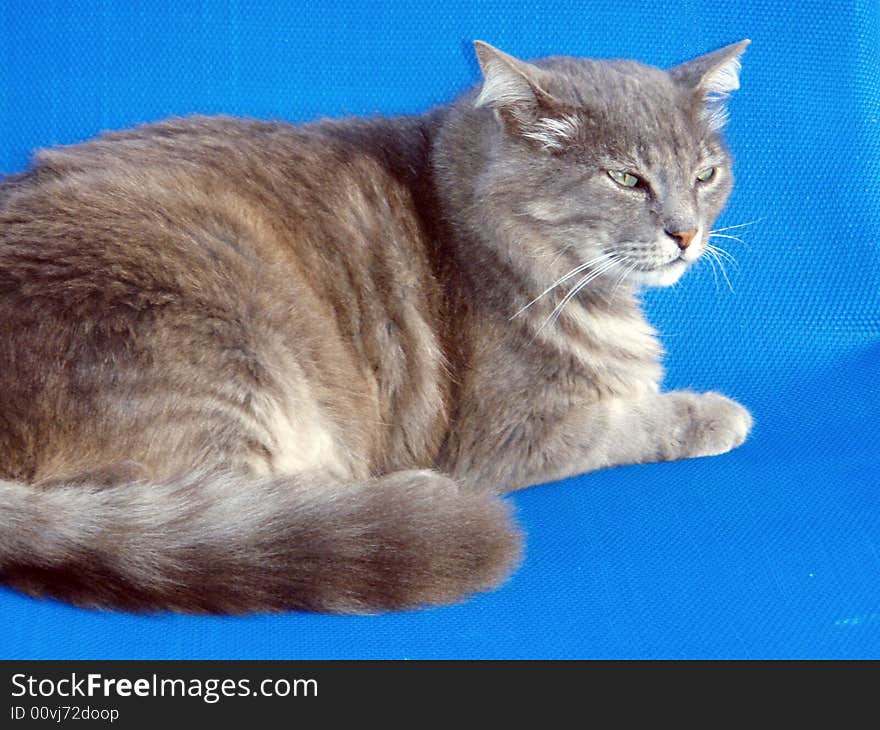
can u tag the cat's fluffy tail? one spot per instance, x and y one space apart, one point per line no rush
225 544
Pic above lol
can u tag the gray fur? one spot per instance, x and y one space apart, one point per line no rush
252 366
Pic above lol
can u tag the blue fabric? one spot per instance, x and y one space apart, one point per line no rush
770 551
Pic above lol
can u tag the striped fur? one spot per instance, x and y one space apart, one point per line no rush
251 366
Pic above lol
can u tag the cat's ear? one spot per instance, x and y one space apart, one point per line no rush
514 90
712 77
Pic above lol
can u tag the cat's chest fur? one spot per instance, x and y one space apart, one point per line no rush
610 348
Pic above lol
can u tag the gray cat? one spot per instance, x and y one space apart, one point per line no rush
251 366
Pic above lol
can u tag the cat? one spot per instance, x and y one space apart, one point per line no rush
250 366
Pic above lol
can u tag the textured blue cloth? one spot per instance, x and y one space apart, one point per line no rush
770 551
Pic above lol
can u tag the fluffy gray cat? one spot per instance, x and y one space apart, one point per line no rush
252 366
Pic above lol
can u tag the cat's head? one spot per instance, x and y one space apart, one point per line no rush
613 162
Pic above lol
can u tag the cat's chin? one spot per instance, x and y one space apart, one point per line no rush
665 275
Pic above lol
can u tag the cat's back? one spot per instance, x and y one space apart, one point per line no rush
217 212
208 206
212 247
294 186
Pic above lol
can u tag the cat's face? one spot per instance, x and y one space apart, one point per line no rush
612 165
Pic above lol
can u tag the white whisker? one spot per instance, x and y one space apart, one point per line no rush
738 225
723 252
564 250
713 254
626 272
581 283
714 272
732 238
576 270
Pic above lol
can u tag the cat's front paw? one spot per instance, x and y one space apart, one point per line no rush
706 424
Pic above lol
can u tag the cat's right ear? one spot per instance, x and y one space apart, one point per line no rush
513 89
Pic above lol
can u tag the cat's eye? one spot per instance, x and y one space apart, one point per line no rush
624 178
706 175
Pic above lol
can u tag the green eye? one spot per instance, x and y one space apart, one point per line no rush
706 175
623 178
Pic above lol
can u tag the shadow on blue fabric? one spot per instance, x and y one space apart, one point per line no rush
771 551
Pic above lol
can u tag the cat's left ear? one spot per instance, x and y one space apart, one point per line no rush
515 90
711 78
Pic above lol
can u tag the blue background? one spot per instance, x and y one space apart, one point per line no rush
770 551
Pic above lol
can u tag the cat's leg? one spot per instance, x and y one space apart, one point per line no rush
664 427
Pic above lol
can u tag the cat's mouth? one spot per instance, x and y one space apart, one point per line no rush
664 274
668 265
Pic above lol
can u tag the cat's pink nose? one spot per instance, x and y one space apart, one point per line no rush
683 238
